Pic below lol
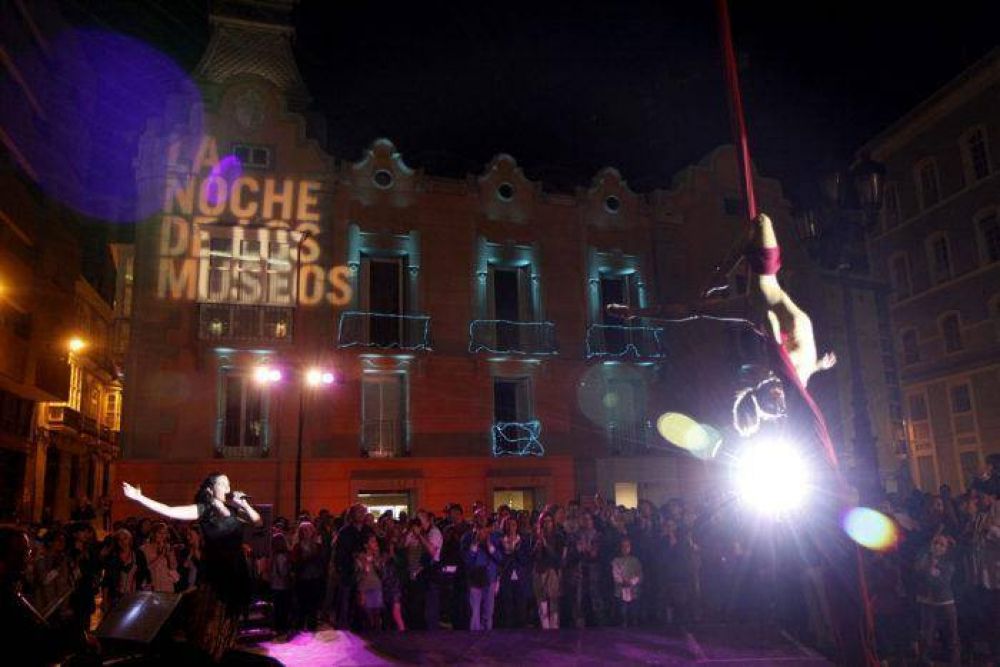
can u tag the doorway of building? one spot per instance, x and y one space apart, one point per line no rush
379 502
515 499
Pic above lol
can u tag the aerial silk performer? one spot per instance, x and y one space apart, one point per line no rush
774 394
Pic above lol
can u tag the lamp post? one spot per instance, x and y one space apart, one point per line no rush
310 381
834 236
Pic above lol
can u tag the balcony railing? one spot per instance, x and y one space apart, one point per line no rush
90 427
510 337
382 438
605 340
383 330
60 417
236 322
517 438
627 438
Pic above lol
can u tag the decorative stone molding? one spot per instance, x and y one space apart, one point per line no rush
505 193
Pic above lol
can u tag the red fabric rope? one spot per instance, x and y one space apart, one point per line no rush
736 115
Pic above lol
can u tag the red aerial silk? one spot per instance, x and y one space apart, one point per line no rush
849 595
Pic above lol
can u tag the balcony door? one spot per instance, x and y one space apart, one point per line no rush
383 295
616 288
510 302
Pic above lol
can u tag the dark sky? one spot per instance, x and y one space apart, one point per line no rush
569 87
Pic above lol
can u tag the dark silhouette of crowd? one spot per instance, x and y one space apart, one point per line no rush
935 594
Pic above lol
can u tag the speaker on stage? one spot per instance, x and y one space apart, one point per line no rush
138 617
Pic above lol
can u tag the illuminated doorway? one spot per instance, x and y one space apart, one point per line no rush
378 502
515 499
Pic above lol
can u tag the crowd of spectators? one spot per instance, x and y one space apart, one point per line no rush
936 591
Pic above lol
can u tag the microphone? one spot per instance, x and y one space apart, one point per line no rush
237 495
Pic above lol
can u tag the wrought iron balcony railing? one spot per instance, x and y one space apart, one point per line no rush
517 438
510 337
383 330
237 322
606 340
383 438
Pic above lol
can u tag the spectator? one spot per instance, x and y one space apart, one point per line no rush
515 574
125 571
161 559
626 571
309 570
482 558
549 553
281 582
367 567
189 559
934 570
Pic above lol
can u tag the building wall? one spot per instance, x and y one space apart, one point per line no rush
935 130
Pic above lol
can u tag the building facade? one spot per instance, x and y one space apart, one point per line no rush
937 243
58 404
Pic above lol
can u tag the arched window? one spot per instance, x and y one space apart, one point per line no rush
939 258
951 331
988 233
928 185
975 154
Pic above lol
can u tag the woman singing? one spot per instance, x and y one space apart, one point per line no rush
224 589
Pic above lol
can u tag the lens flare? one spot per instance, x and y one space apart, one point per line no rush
872 530
680 430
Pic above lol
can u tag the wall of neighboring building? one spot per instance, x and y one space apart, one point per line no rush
928 289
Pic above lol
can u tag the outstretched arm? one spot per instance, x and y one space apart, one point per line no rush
179 512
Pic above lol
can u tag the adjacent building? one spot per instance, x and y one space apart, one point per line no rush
937 244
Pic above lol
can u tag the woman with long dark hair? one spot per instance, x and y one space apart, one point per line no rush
223 592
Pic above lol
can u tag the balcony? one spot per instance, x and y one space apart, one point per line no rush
509 337
89 426
517 438
605 340
625 439
63 418
382 438
232 322
381 330
108 436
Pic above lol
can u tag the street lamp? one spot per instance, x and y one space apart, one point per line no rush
833 234
311 379
76 344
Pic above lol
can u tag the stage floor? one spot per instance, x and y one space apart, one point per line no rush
705 645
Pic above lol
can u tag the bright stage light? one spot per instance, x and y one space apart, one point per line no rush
772 477
872 530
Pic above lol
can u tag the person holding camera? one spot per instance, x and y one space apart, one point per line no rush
482 553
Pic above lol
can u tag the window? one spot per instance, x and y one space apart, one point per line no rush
890 210
911 352
899 273
617 288
512 400
988 227
384 403
918 407
928 474
244 413
627 494
383 295
951 330
927 183
15 321
961 401
940 258
256 271
510 292
969 462
113 410
75 386
254 157
975 155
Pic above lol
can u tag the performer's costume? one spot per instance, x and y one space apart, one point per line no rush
224 587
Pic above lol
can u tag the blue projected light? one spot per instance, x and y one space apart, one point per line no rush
517 438
354 331
512 337
643 342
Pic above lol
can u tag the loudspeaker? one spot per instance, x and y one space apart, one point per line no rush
138 617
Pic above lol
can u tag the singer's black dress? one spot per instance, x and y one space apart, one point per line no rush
223 595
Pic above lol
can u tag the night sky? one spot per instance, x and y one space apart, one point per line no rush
570 87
